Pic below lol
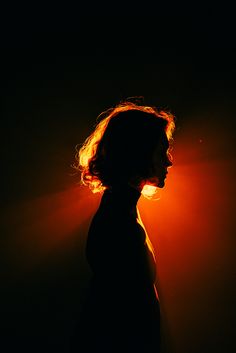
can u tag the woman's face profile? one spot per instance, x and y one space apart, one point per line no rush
161 162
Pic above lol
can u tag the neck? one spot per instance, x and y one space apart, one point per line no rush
124 196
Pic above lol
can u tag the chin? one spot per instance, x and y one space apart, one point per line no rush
157 182
161 184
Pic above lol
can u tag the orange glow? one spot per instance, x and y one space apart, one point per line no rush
192 230
191 227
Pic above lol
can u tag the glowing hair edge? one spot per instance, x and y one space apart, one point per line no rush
85 154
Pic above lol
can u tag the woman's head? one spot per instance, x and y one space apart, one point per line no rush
129 145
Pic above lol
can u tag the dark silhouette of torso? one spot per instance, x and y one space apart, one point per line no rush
121 312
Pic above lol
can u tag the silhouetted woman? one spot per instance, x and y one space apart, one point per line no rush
127 150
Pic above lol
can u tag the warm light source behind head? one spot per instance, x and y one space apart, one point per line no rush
149 191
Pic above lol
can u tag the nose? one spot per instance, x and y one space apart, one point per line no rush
169 160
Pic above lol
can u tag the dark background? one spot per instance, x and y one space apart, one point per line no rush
60 68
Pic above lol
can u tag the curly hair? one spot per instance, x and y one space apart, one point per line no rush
121 145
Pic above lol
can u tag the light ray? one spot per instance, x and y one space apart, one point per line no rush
46 225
